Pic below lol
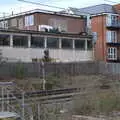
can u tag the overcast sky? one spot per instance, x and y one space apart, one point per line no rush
16 6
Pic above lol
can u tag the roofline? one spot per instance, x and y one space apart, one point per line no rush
87 13
93 15
41 11
46 33
94 6
77 9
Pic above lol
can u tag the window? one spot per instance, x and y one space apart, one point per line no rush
112 20
29 20
4 40
37 42
52 42
4 24
80 44
95 36
66 43
111 36
20 41
114 36
112 53
61 24
89 44
13 22
20 23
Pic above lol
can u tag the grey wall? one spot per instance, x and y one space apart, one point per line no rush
35 69
109 68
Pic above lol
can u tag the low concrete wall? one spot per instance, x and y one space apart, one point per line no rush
61 55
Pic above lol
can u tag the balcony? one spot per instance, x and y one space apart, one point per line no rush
113 61
113 25
115 44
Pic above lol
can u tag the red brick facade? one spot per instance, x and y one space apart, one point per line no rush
98 25
69 23
117 8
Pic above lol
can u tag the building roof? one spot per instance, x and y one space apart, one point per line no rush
39 11
72 11
102 8
96 9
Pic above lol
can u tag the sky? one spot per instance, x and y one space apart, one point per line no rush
15 6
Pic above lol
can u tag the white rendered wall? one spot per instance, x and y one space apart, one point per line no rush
62 55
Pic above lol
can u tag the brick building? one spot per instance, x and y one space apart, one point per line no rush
105 24
35 19
20 38
102 20
28 46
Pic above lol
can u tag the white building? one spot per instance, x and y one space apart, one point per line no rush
27 46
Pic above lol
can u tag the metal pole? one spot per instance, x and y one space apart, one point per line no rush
7 101
38 111
23 104
2 98
43 74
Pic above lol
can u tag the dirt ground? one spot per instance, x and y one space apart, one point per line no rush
99 94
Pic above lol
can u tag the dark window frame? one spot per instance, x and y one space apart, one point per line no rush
77 42
38 45
56 40
6 41
20 42
91 45
69 45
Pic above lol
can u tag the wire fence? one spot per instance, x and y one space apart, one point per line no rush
98 97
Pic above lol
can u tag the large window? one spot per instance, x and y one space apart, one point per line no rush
89 44
29 20
112 53
112 20
66 43
111 36
114 36
4 40
37 42
52 42
20 41
80 44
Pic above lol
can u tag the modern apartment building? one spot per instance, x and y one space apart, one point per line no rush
105 25
37 19
27 46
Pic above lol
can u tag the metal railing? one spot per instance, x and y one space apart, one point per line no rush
114 24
